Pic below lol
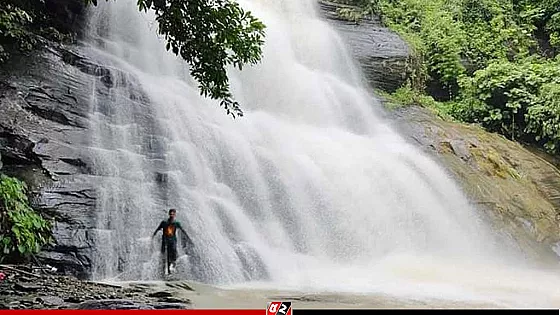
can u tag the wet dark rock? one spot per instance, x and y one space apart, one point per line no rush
45 291
26 287
55 104
68 260
383 56
16 148
25 279
160 294
139 287
13 304
50 300
74 299
113 305
43 131
82 166
173 300
83 64
108 285
171 306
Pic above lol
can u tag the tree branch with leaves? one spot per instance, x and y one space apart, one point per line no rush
209 35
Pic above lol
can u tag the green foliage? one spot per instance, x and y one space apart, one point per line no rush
445 41
545 16
22 230
486 59
210 35
517 99
14 32
21 22
455 37
543 118
358 9
406 96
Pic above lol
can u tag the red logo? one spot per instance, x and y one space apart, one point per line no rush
279 308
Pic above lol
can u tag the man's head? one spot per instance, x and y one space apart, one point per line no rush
172 214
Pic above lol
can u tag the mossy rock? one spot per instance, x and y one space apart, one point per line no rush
516 189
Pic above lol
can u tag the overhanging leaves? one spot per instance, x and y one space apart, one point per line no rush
210 35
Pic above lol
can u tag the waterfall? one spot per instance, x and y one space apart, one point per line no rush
312 188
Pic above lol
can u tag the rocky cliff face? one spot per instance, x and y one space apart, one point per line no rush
518 190
44 127
383 56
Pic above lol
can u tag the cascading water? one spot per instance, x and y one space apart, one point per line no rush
310 189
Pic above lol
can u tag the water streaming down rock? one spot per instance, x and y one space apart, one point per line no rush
310 185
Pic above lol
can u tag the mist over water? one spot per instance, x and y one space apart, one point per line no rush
310 190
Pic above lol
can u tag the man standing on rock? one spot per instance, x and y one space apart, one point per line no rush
169 239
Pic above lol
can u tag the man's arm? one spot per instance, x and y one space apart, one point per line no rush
158 228
185 233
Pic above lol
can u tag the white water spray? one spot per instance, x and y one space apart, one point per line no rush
310 190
